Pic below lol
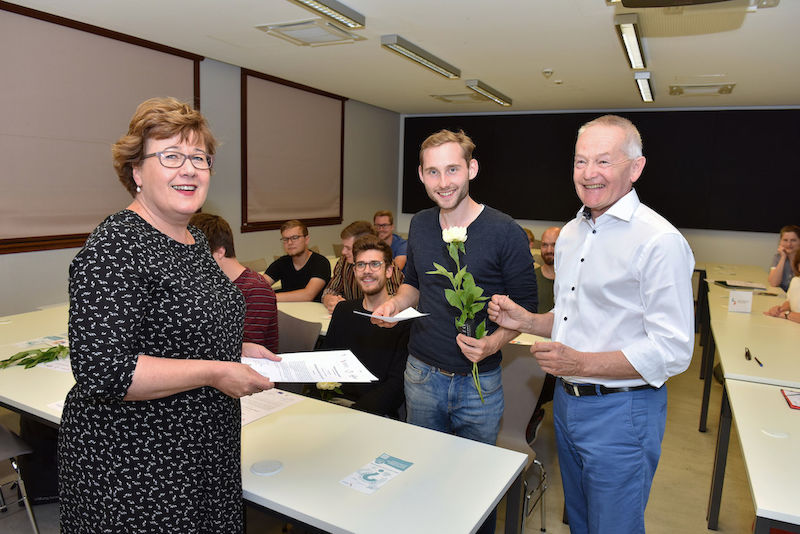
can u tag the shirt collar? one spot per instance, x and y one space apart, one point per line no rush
623 208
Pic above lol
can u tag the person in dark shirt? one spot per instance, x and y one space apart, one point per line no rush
261 308
439 387
303 273
383 221
382 350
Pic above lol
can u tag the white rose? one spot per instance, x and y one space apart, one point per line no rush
455 233
328 385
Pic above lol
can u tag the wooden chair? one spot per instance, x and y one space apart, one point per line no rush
296 335
522 384
12 446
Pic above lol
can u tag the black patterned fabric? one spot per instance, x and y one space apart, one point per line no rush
168 465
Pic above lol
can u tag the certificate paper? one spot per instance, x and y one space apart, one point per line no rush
270 401
375 474
408 313
310 367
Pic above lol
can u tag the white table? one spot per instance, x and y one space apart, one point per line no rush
751 393
452 486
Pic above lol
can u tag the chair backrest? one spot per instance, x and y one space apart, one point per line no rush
11 445
337 249
296 335
259 265
522 384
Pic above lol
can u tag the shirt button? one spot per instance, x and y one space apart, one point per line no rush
565 318
594 231
581 260
573 288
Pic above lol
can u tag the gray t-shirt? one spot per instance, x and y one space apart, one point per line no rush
787 271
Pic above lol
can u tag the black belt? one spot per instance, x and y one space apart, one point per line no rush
450 374
586 390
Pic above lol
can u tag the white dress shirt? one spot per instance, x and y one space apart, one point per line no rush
623 282
793 295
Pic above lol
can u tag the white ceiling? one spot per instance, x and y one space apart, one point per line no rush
504 43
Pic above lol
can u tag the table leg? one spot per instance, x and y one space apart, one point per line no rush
708 363
720 460
702 318
514 503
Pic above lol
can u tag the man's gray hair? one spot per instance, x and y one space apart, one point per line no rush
633 139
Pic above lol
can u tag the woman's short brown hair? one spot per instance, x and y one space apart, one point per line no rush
158 118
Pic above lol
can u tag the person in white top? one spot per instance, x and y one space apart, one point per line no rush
790 309
623 323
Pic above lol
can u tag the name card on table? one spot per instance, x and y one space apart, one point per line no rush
740 301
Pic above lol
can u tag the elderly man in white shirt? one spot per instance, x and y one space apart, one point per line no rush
623 323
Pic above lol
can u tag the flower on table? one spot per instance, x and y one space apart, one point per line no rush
327 389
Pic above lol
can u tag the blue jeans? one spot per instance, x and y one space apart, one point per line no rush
608 451
451 404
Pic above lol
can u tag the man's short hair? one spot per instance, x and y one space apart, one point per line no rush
217 231
633 139
384 213
791 228
371 242
446 136
357 229
294 223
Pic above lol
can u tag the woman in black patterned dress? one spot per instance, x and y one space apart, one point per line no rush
150 433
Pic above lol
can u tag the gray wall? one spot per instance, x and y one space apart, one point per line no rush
38 279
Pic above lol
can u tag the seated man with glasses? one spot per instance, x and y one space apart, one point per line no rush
384 224
382 350
303 273
343 284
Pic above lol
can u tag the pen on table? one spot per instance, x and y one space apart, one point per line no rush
758 361
746 353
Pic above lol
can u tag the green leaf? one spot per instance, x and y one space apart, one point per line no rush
476 307
452 299
480 331
452 249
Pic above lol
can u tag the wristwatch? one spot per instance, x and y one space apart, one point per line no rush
786 314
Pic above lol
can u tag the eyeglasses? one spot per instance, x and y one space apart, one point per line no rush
373 265
174 160
384 225
292 238
581 163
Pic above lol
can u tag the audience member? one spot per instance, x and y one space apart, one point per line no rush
622 325
343 284
531 238
780 274
790 309
303 273
384 224
439 385
382 350
545 275
261 310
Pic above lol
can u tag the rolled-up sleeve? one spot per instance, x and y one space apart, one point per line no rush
665 268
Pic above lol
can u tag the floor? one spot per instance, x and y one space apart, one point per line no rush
677 501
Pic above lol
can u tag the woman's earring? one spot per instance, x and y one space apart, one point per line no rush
138 189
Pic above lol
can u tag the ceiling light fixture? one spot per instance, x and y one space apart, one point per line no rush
702 89
334 11
316 32
628 32
490 93
643 82
397 44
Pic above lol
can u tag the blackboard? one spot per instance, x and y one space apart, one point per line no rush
721 170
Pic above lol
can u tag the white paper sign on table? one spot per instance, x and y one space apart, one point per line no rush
311 367
740 301
375 474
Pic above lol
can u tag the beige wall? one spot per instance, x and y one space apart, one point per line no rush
35 279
